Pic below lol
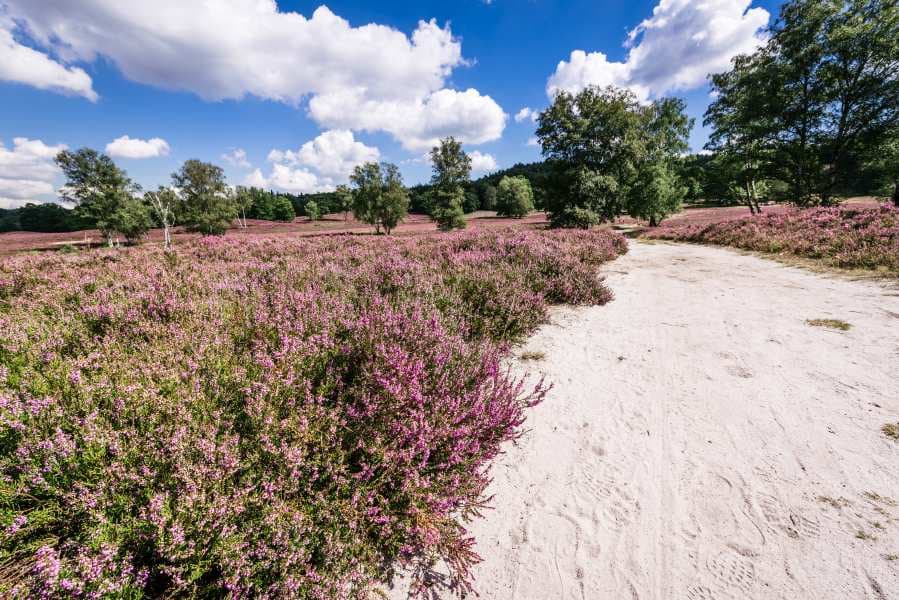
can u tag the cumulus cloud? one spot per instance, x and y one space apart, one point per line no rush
21 64
482 163
333 154
533 142
675 49
237 158
27 171
372 77
317 166
126 147
526 114
418 123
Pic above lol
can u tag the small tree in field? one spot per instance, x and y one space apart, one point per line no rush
164 203
96 186
313 211
344 201
452 169
380 198
132 219
207 201
514 197
283 210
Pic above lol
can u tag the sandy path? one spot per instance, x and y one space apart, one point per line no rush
696 427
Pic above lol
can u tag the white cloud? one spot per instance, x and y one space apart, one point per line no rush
372 77
21 64
287 179
333 154
418 123
526 114
237 158
534 142
482 163
676 49
126 147
317 166
27 171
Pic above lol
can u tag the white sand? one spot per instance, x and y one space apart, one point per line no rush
695 424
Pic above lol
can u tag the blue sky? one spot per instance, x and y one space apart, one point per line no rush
88 72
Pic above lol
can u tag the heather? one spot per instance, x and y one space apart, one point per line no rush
265 417
845 237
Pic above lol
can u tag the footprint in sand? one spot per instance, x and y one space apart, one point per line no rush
731 572
553 552
699 592
785 520
604 483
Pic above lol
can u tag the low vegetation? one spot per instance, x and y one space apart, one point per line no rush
891 430
844 237
264 418
830 324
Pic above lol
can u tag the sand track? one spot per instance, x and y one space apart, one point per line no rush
703 442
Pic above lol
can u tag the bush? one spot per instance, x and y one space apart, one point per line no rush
264 418
838 236
282 209
514 197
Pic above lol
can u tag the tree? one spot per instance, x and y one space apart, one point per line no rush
96 186
379 198
312 210
591 141
488 197
344 201
514 197
132 219
164 203
657 189
605 150
243 203
816 98
451 171
882 168
282 209
207 202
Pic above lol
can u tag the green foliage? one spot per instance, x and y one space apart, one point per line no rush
448 211
282 209
344 200
132 219
657 192
451 172
380 198
312 210
488 196
819 96
514 197
48 217
96 186
606 151
208 206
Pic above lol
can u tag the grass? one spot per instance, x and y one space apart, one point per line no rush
830 324
862 535
532 355
891 430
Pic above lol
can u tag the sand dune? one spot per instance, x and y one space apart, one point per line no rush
703 441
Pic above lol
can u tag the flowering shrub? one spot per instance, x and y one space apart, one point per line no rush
840 236
264 418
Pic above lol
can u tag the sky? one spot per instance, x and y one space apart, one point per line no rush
291 95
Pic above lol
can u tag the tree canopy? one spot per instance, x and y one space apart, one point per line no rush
379 197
